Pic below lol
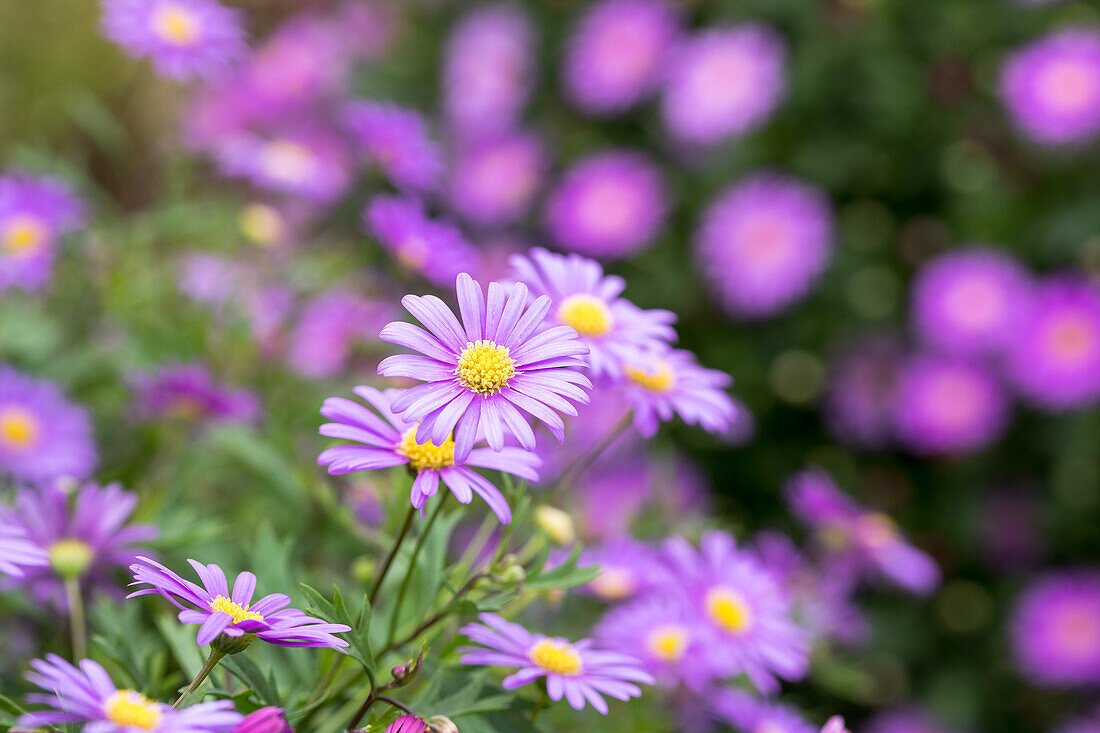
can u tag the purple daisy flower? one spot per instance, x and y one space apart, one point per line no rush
661 633
1051 87
494 179
483 373
42 435
971 302
585 299
396 140
86 695
83 533
182 38
330 327
747 713
310 162
1056 629
233 614
1054 359
579 672
764 243
264 720
722 82
188 392
488 70
17 551
608 205
33 213
628 569
859 404
615 57
432 247
948 406
392 441
660 385
858 540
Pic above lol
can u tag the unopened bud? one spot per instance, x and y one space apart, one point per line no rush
557 524
441 724
511 575
363 568
226 644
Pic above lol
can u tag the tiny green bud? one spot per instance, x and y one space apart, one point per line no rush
225 644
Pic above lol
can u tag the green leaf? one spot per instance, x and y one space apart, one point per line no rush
244 669
337 612
566 575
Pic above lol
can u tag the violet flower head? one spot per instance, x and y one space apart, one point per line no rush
608 205
308 162
397 141
722 82
628 569
580 672
1051 87
859 403
494 179
330 327
86 695
383 439
182 38
588 301
1055 629
233 614
745 712
34 212
42 435
616 55
435 248
188 392
408 724
661 633
17 551
481 374
660 385
764 243
835 724
264 720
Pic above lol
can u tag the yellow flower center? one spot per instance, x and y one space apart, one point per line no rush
261 224
176 24
668 642
659 378
23 236
876 529
285 160
557 656
729 610
236 610
426 456
70 558
19 428
485 367
131 709
585 314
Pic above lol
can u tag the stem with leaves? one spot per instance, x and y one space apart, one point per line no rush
392 554
211 662
400 600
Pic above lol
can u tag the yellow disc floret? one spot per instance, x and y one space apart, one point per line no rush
19 428
668 642
557 656
586 314
129 709
485 367
261 224
70 558
658 378
236 610
176 24
426 456
23 236
728 609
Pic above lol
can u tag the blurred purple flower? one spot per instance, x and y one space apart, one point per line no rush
628 569
494 179
434 248
396 140
904 720
188 392
34 212
323 340
859 406
661 385
1055 629
310 162
745 712
17 551
661 633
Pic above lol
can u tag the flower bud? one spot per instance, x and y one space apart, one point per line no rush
407 724
264 720
557 524
441 724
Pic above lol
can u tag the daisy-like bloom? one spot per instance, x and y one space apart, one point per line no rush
264 720
488 70
17 552
42 435
83 533
387 440
233 614
628 569
1054 359
396 140
859 402
744 712
330 328
661 633
189 392
494 179
764 243
578 671
86 696
723 82
858 539
662 384
1051 87
408 724
182 38
33 213
588 301
615 57
608 205
435 248
971 302
310 162
1055 629
948 406
744 618
483 373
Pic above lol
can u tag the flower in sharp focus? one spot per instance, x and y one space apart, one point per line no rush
660 385
182 38
494 179
386 440
264 720
188 392
86 695
408 724
588 301
435 248
33 213
42 435
18 552
233 614
580 672
483 373
1055 629
396 140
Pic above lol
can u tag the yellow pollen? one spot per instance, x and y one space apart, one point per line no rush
261 224
668 643
729 610
19 428
70 558
176 24
585 314
238 612
557 656
658 379
286 160
485 367
24 235
426 456
131 709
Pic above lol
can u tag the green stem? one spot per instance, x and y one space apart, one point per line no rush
539 704
400 601
438 616
211 662
393 553
76 618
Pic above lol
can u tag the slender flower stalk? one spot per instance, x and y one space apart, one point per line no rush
400 601
392 554
207 668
